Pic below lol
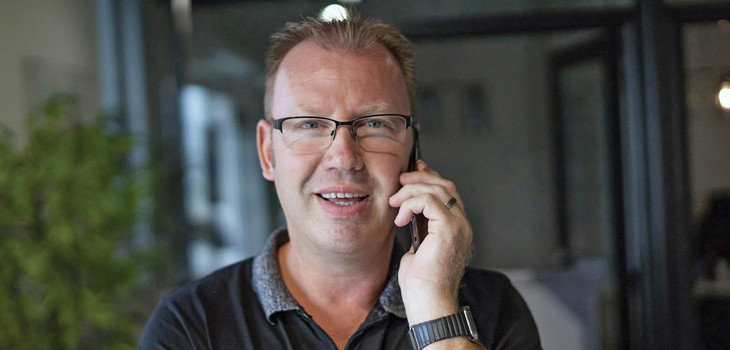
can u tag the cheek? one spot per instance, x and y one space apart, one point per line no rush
388 172
293 168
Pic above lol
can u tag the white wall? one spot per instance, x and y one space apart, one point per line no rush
58 33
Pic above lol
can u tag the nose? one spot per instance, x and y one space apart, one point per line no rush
344 153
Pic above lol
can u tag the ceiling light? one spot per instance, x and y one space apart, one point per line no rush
723 96
333 12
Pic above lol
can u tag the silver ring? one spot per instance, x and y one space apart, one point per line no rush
451 203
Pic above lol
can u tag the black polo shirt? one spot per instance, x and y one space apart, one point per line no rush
247 306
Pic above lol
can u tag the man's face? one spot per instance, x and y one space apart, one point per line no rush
314 82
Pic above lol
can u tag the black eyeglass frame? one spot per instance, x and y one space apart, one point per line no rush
409 122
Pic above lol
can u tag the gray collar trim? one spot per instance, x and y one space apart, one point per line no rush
269 286
391 298
267 281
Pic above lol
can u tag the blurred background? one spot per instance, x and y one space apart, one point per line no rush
590 140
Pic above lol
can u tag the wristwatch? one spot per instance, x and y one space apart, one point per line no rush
458 324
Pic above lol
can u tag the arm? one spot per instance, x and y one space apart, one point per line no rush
429 279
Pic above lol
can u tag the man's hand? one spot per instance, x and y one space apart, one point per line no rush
429 279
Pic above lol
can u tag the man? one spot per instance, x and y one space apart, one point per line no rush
336 143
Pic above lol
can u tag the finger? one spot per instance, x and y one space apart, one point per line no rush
425 204
417 189
426 178
422 166
410 207
442 189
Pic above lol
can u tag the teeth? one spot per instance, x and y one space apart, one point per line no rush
340 195
345 203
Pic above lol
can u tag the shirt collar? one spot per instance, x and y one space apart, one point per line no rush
275 297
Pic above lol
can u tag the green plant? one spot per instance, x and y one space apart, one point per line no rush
66 209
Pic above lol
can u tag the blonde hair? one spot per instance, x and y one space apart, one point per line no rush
355 35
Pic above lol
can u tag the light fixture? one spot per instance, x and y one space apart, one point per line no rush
182 16
333 12
723 95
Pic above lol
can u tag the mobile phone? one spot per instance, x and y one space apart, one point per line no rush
419 223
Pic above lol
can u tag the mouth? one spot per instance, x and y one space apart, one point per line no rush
343 198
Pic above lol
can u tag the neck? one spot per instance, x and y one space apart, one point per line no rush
326 280
337 290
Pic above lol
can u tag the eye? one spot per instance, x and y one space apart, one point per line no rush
308 124
375 123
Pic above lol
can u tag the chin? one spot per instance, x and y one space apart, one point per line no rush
352 237
345 234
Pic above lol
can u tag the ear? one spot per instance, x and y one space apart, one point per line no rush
263 143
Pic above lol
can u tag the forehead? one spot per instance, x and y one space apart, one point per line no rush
309 69
308 56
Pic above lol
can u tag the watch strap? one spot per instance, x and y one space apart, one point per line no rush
455 325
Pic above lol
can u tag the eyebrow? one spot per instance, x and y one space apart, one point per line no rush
376 108
306 110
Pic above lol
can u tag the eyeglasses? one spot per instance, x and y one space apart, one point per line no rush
374 133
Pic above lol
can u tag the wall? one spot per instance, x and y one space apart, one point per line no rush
44 44
503 172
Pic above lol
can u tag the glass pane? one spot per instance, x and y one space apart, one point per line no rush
486 115
505 166
707 65
502 170
588 192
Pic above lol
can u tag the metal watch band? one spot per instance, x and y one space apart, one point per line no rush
458 324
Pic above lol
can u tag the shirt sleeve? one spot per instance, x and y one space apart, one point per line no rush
516 328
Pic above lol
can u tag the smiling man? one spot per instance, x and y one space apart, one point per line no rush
336 142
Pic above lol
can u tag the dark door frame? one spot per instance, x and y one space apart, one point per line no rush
604 48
